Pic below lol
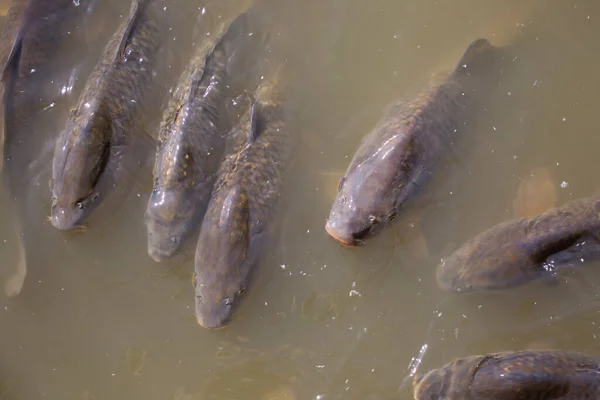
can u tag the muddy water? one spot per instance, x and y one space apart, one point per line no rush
97 318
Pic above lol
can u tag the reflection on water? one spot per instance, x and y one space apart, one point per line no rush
97 318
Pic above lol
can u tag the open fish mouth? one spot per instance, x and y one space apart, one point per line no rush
341 240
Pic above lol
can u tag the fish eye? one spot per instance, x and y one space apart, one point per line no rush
241 291
95 196
228 301
54 200
372 219
341 183
80 205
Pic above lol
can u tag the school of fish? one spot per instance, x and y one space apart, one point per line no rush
218 176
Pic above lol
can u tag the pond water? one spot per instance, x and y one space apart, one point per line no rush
97 318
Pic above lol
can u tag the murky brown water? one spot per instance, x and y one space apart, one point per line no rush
98 319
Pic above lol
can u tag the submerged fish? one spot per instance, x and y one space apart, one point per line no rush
34 33
396 158
521 375
95 148
517 251
191 143
242 208
29 43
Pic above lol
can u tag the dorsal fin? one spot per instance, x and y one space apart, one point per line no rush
476 47
20 16
6 82
201 59
13 56
253 128
137 8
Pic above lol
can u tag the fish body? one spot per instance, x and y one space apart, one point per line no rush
93 150
521 375
191 144
30 44
242 208
517 251
395 159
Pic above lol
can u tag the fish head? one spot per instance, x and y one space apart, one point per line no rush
165 229
80 159
173 204
368 195
453 275
452 381
221 263
432 385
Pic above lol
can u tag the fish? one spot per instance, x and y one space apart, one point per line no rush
191 142
395 159
242 210
34 33
96 147
28 46
513 375
520 250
